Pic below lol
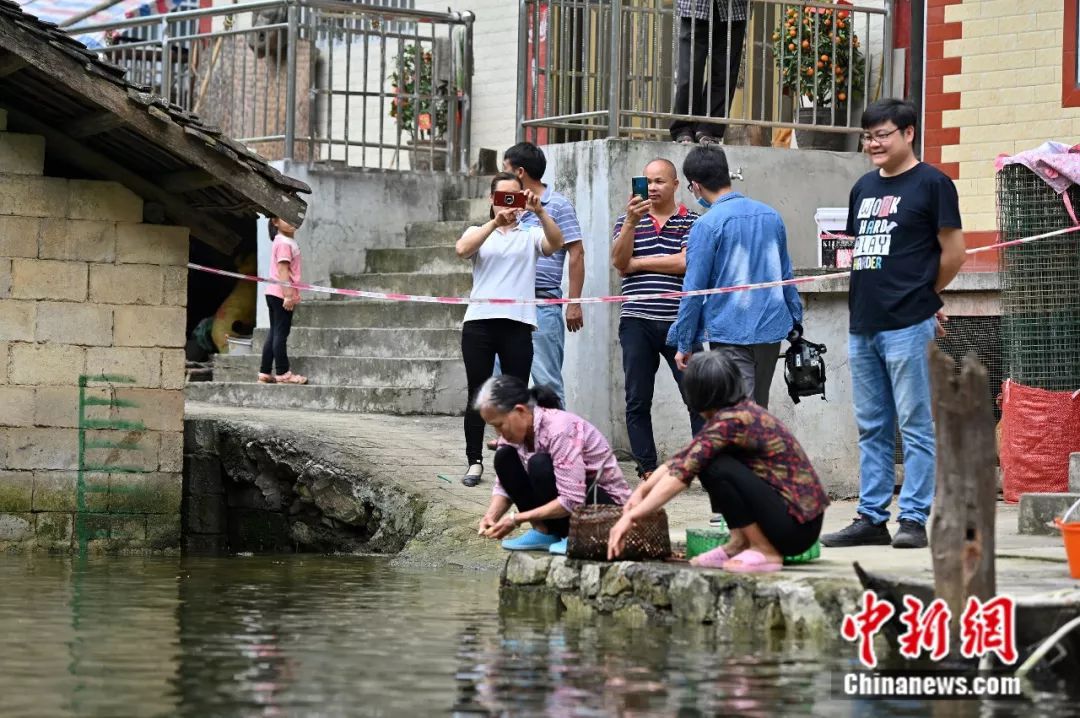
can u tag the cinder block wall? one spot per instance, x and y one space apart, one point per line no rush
88 295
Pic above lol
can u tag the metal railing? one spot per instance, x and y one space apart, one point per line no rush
611 68
312 80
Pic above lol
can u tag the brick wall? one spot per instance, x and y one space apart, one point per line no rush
993 86
87 291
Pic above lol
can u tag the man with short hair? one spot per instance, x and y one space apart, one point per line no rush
527 161
909 245
649 252
737 241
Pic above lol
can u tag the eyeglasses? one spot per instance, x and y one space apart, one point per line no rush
881 136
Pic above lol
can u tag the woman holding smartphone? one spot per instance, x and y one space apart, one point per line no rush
503 256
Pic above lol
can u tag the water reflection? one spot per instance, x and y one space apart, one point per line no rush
334 636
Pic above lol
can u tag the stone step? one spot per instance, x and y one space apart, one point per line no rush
363 313
314 397
425 260
382 343
407 373
433 234
472 211
1038 510
438 285
22 154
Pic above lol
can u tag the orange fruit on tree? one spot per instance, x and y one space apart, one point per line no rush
824 58
791 47
809 72
841 96
806 44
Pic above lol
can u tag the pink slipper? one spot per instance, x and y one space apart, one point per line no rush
711 559
290 378
266 378
751 561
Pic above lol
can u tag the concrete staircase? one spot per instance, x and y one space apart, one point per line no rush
367 356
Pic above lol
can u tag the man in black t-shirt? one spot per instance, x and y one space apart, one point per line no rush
905 218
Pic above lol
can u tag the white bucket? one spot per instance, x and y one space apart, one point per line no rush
830 221
238 345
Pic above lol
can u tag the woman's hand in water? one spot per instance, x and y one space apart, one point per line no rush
502 528
617 537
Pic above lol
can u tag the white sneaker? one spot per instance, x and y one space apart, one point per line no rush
472 476
717 521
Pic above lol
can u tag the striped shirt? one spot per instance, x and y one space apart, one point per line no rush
699 9
549 270
652 240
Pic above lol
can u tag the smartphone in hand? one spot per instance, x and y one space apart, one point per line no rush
640 187
514 200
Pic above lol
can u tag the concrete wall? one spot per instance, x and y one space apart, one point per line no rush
87 291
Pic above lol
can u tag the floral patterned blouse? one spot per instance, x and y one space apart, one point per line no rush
758 439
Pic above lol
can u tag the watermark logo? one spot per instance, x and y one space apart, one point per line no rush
985 627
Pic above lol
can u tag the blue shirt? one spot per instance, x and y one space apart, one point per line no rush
738 241
549 270
652 240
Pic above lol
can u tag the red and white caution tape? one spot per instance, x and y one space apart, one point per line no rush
395 297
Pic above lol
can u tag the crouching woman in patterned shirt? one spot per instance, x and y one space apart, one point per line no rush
753 469
548 462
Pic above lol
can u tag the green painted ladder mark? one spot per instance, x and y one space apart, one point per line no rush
97 401
83 532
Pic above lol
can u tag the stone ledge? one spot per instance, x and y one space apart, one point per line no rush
1037 512
796 606
964 282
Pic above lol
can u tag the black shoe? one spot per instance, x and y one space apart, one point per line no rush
472 476
912 534
861 532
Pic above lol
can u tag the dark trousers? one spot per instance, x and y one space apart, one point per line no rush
533 486
274 353
756 364
693 98
745 498
644 343
481 341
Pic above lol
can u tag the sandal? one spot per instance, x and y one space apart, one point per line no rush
751 561
685 139
266 378
715 558
290 378
706 139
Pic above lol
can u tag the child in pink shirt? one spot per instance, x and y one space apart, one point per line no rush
285 265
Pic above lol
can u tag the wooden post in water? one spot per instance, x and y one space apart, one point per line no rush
962 527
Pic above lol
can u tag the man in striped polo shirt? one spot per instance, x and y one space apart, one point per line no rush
527 161
650 253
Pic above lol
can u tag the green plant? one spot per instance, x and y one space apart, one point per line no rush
419 107
818 54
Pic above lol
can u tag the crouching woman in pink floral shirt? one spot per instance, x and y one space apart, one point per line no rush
548 462
755 472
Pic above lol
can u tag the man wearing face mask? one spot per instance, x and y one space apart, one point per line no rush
737 241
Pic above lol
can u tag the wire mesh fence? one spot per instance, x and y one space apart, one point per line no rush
1040 296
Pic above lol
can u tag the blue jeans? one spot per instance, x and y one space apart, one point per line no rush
548 341
890 382
644 343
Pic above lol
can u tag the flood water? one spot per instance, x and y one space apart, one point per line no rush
337 636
